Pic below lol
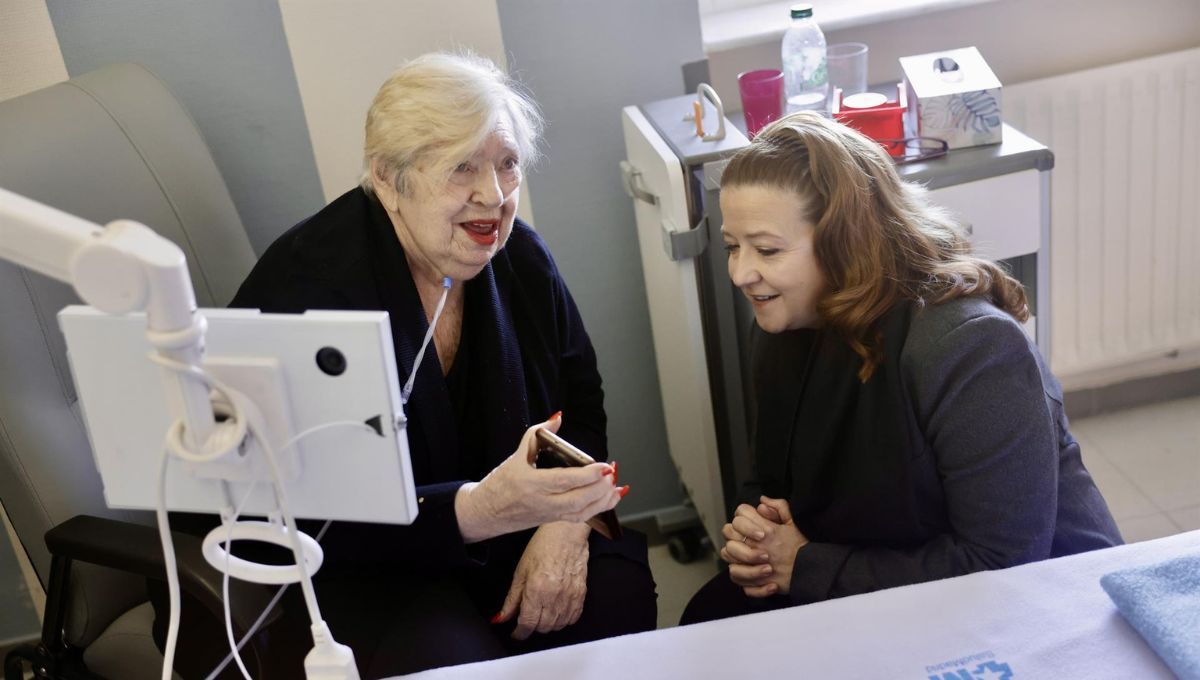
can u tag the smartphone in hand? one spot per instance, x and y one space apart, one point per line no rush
554 451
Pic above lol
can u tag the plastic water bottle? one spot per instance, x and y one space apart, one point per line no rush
805 77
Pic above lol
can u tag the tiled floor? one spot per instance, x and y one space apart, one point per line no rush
1145 460
677 582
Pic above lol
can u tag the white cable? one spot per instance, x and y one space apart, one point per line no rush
291 530
289 523
230 436
412 374
225 579
327 659
164 531
164 535
175 446
261 617
235 648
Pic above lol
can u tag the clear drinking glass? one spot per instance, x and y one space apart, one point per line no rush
847 64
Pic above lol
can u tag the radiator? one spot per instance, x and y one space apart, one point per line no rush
1125 200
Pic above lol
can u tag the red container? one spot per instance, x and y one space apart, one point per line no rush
882 121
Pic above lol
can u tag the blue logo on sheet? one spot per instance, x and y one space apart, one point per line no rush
981 666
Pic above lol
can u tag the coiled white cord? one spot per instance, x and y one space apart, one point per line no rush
261 617
233 435
236 647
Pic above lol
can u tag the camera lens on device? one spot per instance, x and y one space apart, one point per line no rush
331 361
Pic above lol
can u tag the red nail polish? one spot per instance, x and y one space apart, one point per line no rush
496 618
608 471
623 490
614 468
556 416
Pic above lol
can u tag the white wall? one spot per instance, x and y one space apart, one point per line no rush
343 51
1021 39
29 54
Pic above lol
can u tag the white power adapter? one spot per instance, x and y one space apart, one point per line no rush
329 659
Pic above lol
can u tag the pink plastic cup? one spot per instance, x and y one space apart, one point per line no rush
762 98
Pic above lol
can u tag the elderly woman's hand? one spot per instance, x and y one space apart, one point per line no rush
550 581
761 547
517 496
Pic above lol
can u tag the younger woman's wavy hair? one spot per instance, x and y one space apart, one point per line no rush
877 238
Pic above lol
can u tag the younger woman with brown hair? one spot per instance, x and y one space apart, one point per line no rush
905 427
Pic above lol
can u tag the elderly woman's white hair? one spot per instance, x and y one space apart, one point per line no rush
438 109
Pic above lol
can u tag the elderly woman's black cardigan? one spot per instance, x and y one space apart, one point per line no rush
528 355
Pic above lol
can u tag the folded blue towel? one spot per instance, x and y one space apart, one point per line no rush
1162 602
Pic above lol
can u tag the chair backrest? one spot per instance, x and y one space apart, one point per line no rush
113 143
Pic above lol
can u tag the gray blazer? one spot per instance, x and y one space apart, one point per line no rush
956 457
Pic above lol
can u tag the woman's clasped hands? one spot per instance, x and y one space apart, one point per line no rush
761 545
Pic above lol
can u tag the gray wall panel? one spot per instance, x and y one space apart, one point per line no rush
584 61
228 62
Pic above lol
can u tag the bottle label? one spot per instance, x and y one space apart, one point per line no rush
817 78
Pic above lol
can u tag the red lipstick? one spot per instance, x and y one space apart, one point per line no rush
483 232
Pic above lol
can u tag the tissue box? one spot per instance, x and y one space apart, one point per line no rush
953 96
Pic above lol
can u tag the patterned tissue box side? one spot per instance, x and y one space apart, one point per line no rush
963 118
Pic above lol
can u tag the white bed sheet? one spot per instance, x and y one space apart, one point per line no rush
1049 619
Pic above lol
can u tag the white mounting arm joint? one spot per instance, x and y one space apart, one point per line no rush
121 268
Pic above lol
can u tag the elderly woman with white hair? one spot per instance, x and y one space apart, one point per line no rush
499 560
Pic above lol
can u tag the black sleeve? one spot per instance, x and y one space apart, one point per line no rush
431 543
981 402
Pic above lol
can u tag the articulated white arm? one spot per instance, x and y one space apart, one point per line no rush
125 267
118 269
41 238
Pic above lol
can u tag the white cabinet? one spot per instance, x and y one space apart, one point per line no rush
1001 213
1003 216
